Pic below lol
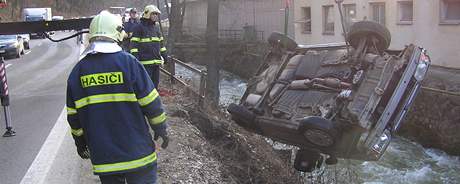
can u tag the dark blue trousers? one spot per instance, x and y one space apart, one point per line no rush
147 175
154 73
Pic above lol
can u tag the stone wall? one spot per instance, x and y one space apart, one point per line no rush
238 58
434 120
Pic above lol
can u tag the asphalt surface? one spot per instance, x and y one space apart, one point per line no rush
37 83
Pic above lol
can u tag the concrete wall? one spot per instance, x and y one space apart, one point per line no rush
434 119
266 15
442 41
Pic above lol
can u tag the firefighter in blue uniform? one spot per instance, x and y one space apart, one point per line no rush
128 27
132 21
110 103
148 43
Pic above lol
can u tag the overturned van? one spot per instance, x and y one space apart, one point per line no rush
333 100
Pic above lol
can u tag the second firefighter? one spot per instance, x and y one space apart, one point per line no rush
148 43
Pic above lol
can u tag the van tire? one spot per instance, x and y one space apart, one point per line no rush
369 29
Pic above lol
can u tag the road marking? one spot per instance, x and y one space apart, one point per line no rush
8 65
27 52
40 167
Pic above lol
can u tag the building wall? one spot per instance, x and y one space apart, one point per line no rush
442 41
266 15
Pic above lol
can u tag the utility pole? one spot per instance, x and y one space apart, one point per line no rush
286 17
212 30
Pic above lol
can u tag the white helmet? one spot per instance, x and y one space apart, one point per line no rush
107 25
149 9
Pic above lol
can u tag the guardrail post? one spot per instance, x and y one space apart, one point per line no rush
5 100
172 69
202 89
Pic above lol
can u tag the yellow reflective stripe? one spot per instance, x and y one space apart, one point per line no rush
145 40
161 38
155 61
163 49
149 98
135 39
71 111
158 120
151 39
121 166
134 50
77 132
155 39
105 98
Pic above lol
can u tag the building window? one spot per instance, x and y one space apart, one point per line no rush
349 13
328 20
378 12
306 20
405 12
450 11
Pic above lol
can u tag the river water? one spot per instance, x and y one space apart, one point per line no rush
403 162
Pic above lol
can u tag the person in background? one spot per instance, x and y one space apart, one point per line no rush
128 27
110 99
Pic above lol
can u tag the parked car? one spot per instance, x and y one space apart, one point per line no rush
11 46
26 40
333 101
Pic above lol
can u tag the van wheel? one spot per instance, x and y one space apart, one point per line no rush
319 131
283 40
369 29
307 160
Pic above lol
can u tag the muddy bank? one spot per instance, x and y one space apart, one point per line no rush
210 149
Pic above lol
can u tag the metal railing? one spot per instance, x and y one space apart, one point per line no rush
201 91
240 35
230 34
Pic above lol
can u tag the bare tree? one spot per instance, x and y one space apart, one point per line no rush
212 28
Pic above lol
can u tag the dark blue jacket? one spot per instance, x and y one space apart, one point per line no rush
108 97
132 22
147 43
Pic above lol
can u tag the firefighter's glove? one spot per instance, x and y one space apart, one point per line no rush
161 132
82 148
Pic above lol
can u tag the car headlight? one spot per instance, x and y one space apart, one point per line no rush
422 67
381 144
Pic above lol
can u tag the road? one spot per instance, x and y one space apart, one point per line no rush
37 83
